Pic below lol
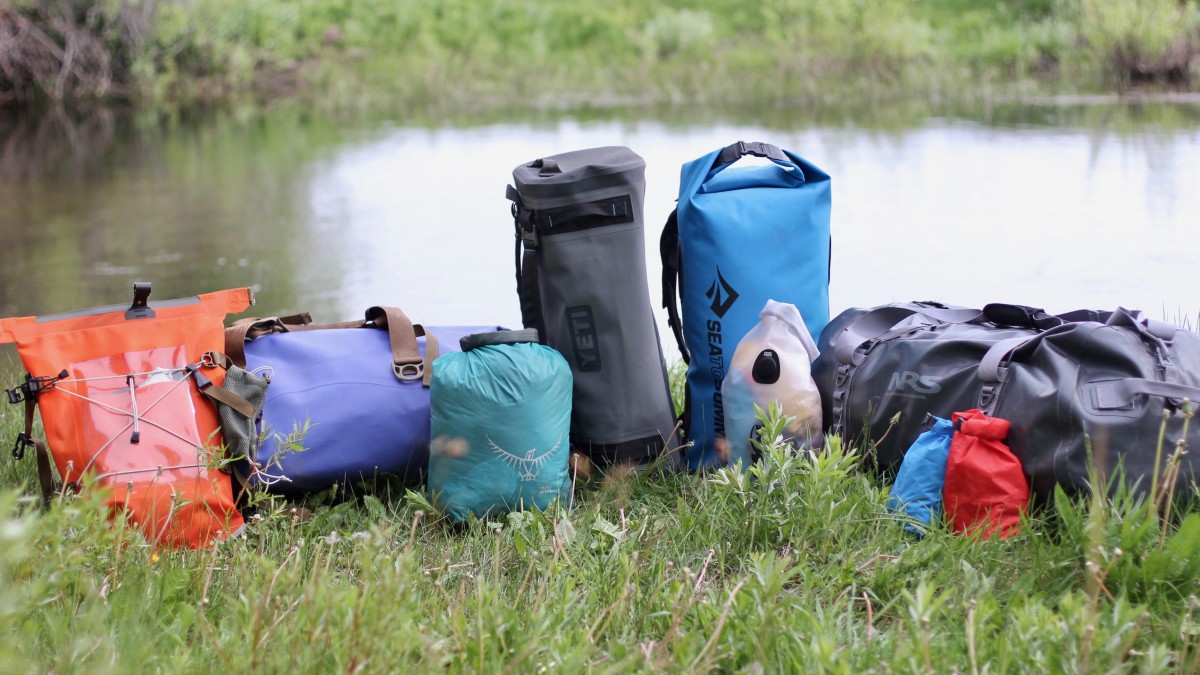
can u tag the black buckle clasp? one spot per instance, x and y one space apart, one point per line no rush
140 309
32 387
755 148
202 382
23 442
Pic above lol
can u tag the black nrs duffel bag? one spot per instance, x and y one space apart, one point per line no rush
881 371
1100 386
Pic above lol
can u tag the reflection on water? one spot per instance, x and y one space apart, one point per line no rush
1059 206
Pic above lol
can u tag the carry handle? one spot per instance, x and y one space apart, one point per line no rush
407 362
736 151
1020 316
990 371
546 167
1119 394
250 328
1143 325
881 320
613 207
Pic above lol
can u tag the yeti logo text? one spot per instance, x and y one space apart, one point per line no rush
721 287
921 384
529 466
583 338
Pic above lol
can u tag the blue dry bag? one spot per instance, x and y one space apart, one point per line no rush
917 492
741 235
501 424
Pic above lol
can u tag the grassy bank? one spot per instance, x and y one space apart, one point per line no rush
481 53
796 568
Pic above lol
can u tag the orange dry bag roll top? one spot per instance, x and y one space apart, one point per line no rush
120 393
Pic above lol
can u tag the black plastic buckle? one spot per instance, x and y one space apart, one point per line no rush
529 235
140 309
755 148
202 382
23 441
32 387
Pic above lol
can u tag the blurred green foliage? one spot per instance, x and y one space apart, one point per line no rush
517 51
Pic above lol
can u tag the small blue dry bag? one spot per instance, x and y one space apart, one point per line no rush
917 492
740 236
501 423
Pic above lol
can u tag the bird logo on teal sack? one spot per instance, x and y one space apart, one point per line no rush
528 467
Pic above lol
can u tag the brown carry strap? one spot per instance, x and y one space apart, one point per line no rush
250 328
407 362
45 473
432 351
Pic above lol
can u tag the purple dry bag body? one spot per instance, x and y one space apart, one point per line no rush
363 414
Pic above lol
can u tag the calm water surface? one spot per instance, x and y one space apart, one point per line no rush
1060 207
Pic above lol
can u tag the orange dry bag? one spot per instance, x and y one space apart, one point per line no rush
122 390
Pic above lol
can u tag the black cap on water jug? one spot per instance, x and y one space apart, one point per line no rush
766 367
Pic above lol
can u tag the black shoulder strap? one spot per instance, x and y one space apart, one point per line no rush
528 288
672 273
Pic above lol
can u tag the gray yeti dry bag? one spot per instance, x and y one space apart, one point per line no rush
581 278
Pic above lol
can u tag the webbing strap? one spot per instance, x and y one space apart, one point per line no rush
1118 394
529 290
668 247
45 473
736 151
248 329
220 394
879 321
407 362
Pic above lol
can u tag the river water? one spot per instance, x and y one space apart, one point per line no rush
1085 204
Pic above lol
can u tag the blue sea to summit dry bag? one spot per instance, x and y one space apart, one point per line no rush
501 424
917 492
361 388
741 235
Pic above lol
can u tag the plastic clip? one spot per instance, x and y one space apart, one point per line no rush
202 382
986 394
140 309
23 441
32 387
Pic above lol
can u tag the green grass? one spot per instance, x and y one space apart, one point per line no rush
484 53
795 567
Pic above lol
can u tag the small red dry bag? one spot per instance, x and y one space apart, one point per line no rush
985 486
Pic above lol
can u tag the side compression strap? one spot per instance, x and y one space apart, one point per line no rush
24 439
526 259
668 247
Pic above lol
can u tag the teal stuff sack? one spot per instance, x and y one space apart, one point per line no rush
917 492
500 428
